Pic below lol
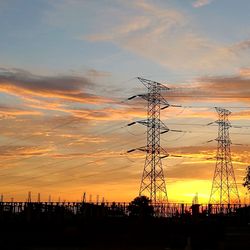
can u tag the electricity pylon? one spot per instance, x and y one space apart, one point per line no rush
224 188
152 182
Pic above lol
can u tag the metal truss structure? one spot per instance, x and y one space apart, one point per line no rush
224 188
152 182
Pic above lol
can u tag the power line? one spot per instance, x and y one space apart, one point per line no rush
211 107
105 132
32 156
30 136
63 170
207 96
55 172
57 162
80 177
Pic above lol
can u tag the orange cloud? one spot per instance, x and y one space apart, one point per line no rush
11 111
67 88
222 90
12 151
245 72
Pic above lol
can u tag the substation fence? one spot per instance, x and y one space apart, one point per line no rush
116 209
179 209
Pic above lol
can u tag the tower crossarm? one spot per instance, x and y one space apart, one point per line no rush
151 150
224 141
223 123
152 84
152 123
150 97
222 111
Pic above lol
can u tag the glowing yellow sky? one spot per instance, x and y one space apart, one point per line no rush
64 149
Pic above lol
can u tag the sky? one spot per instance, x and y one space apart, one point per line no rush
67 68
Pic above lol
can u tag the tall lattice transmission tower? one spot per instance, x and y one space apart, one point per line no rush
224 188
152 182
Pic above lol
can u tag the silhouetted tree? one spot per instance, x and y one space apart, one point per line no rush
247 179
141 207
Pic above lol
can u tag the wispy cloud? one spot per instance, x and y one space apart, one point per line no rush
60 94
221 89
67 88
12 111
245 72
167 36
23 151
201 3
236 87
241 46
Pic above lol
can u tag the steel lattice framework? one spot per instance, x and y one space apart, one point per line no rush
153 183
224 188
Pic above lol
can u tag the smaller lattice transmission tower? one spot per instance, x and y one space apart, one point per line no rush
224 188
152 182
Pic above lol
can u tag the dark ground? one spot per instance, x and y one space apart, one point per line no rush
77 232
127 233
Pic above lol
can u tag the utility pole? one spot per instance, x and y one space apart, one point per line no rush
152 182
224 188
38 197
29 197
84 197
